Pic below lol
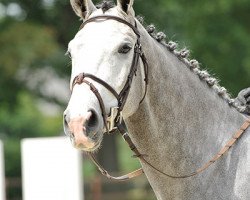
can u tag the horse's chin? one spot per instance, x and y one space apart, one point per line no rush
92 145
88 149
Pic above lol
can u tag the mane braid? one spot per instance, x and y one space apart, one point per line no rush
192 64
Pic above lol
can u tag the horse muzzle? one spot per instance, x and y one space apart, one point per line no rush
83 130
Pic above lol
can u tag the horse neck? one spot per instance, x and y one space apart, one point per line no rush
182 122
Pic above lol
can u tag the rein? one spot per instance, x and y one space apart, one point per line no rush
115 121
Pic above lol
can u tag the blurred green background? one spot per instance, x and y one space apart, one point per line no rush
34 73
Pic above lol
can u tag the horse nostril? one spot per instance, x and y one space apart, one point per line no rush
85 124
91 124
93 119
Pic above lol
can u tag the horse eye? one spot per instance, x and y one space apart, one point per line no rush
125 48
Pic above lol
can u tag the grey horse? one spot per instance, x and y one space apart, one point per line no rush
185 118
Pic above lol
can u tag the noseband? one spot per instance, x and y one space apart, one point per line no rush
115 121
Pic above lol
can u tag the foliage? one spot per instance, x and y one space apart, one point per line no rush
23 46
25 121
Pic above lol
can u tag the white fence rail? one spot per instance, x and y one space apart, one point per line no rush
51 170
2 176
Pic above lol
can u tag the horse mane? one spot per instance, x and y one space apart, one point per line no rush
192 64
183 55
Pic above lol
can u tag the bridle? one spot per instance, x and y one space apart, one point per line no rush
115 116
115 121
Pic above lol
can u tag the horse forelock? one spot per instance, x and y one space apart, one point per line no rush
105 5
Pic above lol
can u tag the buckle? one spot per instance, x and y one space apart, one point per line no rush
113 116
138 49
124 136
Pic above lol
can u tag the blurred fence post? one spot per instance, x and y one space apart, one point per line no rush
2 174
51 170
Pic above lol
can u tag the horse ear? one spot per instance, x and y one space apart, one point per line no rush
83 8
125 5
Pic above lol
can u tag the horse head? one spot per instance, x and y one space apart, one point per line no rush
103 55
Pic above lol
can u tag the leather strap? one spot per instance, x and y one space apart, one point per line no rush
125 177
122 128
102 18
80 80
228 145
145 65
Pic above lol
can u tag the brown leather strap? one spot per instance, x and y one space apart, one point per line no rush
103 83
145 65
126 88
125 177
102 18
79 80
229 144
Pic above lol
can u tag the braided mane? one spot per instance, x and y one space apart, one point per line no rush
183 55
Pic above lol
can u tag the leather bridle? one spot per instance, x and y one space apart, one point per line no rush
116 112
115 121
